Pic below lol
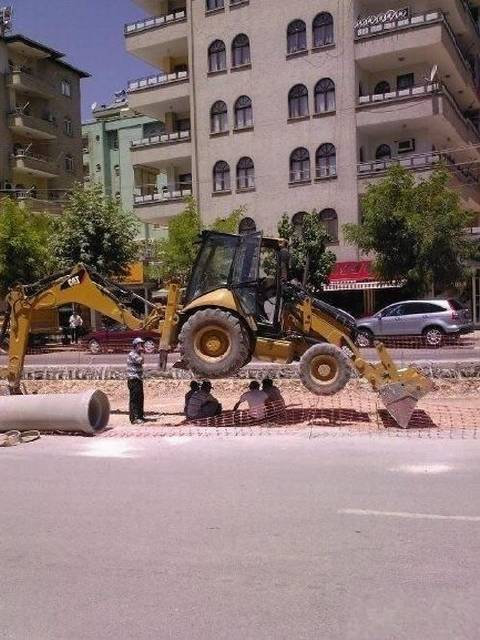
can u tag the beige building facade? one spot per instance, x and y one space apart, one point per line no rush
40 124
293 106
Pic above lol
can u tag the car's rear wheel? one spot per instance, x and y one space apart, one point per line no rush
94 347
149 346
433 336
364 338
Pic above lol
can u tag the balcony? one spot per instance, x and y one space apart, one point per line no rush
24 81
156 94
159 208
158 37
430 107
396 45
34 164
162 149
38 201
32 126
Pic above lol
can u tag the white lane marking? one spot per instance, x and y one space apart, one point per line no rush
423 468
406 514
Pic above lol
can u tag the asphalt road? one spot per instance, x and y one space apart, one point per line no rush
253 538
468 353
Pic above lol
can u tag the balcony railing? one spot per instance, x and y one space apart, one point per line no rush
325 172
417 162
157 80
417 20
163 138
156 21
410 92
19 154
148 194
50 200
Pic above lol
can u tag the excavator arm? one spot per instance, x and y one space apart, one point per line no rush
84 287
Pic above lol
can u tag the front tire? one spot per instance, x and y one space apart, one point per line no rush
213 344
433 336
324 369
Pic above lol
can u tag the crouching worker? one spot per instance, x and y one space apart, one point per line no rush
256 399
135 381
202 404
194 386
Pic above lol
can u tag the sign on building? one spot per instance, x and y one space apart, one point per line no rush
392 15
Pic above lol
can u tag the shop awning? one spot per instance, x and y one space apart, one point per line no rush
356 276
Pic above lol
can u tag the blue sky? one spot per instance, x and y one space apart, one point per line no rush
90 33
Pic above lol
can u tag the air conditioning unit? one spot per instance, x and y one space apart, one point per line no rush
406 146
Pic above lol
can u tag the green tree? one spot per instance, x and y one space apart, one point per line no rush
95 230
175 254
310 261
25 245
415 230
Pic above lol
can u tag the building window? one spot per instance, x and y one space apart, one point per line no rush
69 165
381 88
324 95
217 56
98 168
97 138
300 165
296 36
240 50
297 221
243 112
247 225
326 161
383 152
218 117
116 169
221 176
405 81
245 174
113 140
323 30
298 101
68 127
66 88
215 4
330 220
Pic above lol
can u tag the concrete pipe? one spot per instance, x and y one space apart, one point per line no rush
87 412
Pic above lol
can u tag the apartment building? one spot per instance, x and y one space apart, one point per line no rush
109 140
40 123
294 106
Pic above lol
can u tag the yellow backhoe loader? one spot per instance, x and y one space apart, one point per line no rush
239 304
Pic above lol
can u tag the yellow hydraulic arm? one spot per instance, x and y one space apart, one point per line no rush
81 287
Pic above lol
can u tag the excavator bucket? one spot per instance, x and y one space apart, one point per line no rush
401 397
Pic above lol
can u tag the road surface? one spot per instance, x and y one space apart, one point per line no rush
468 353
248 538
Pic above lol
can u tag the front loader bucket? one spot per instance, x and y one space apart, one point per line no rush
400 398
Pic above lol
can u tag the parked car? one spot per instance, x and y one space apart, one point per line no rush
433 320
118 338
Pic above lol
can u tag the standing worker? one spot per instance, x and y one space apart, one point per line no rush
76 323
135 381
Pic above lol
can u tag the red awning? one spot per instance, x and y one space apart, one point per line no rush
352 272
356 276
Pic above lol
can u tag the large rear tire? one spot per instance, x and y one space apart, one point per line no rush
213 344
324 369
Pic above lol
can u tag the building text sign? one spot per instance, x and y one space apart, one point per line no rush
381 18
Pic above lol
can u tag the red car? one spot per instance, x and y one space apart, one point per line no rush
118 338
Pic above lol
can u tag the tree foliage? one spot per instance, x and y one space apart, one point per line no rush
25 245
310 261
175 255
415 230
95 230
